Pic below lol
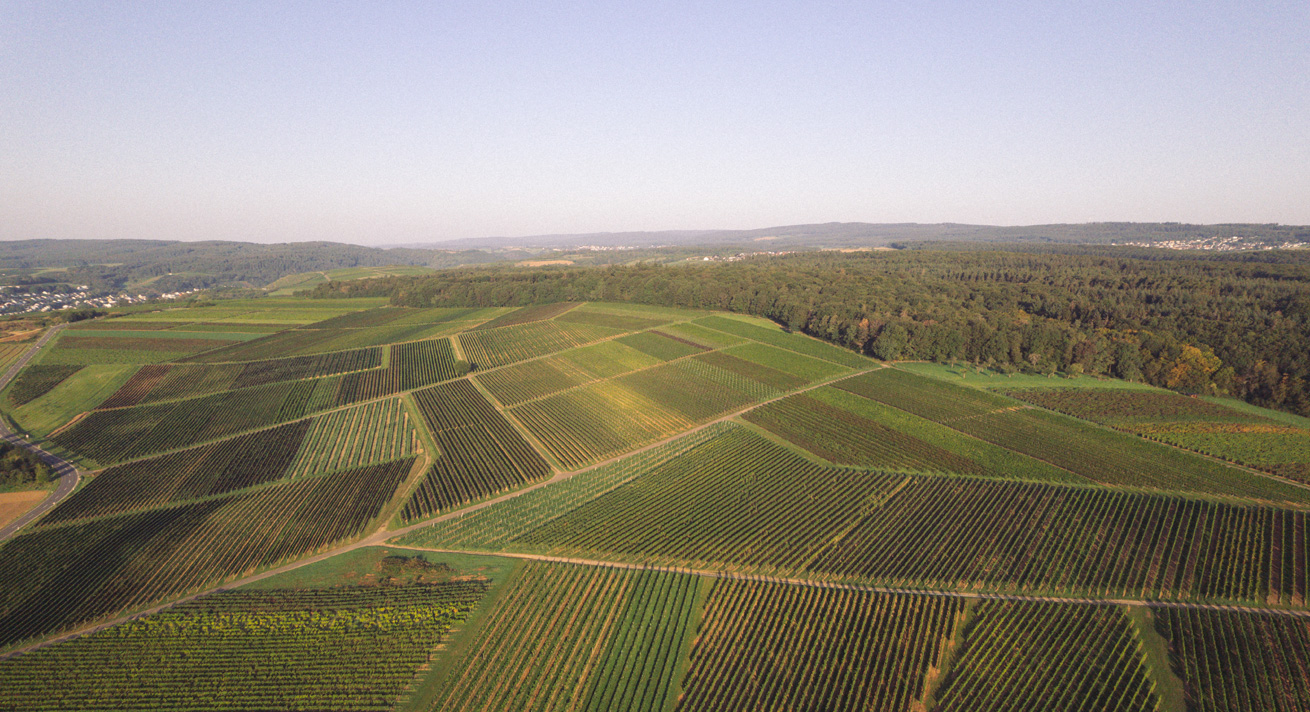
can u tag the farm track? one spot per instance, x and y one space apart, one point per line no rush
68 475
866 588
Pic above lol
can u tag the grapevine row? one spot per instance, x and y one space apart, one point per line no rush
481 452
57 578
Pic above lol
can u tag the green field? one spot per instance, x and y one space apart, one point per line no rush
600 506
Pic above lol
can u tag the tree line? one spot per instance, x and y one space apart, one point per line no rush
1194 323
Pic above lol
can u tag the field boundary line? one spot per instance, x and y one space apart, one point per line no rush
1235 465
872 588
1103 426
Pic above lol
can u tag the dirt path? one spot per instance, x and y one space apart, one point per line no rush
942 593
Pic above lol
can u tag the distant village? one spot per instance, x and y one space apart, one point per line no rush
25 302
741 256
1219 244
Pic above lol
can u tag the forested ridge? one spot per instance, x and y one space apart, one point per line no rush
1202 323
111 264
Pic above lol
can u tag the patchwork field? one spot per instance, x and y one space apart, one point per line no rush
1271 444
356 647
599 506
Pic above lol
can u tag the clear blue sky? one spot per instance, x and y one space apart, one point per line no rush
389 122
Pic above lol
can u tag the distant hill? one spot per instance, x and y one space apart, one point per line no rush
160 266
163 266
849 235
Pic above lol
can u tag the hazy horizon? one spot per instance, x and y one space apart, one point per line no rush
411 124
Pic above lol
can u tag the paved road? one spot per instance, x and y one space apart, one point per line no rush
66 472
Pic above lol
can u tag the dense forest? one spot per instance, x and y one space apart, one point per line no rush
1199 323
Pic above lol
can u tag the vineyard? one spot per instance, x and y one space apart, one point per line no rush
351 648
1011 536
493 528
10 351
587 314
675 526
709 338
178 345
791 364
1098 454
59 577
1239 661
108 436
695 389
845 438
1119 406
765 375
281 344
125 324
36 381
481 452
163 382
773 336
662 346
596 421
354 437
1202 426
412 365
602 639
1044 656
222 467
735 499
519 383
764 646
527 315
499 347
351 331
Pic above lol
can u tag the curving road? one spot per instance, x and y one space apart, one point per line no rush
65 471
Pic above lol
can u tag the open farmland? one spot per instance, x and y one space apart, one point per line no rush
380 431
344 649
1239 660
772 647
505 345
1276 446
604 639
1037 656
224 466
59 577
480 451
1096 453
685 511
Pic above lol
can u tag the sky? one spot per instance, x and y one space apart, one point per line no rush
400 122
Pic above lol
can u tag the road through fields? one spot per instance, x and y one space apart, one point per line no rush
65 471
